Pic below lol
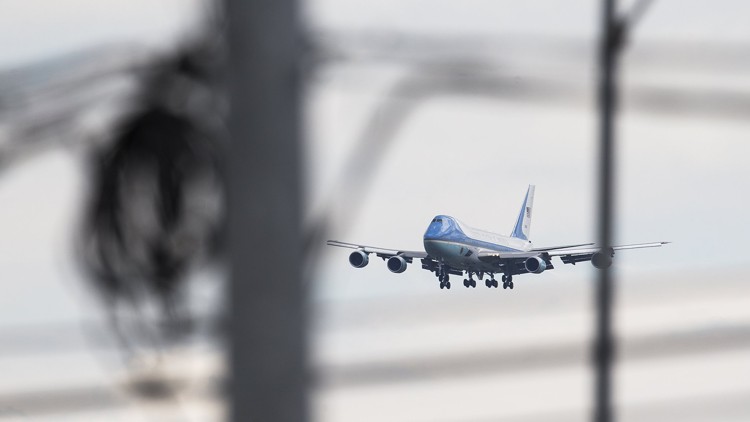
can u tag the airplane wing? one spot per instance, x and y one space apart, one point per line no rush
552 248
489 255
573 256
595 249
513 262
508 262
568 254
380 252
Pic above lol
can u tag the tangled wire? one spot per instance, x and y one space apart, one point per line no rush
156 202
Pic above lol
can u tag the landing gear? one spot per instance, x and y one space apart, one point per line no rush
470 282
445 284
491 282
507 281
444 280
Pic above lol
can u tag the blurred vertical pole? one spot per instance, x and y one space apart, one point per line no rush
267 363
604 341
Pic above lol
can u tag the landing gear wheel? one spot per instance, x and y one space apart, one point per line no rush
442 286
494 283
473 283
488 283
448 285
505 284
466 283
510 284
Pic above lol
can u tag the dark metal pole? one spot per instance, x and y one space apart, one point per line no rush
267 363
610 39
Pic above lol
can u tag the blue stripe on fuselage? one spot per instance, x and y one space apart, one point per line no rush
445 228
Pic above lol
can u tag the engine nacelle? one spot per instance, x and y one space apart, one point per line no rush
535 265
396 264
601 260
359 259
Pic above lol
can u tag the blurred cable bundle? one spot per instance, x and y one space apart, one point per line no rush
156 199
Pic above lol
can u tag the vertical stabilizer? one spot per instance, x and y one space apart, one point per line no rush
522 229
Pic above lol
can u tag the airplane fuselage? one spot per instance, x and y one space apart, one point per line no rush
457 245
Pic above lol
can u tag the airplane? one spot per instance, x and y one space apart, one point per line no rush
453 248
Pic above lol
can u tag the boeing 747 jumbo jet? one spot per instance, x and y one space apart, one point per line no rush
452 247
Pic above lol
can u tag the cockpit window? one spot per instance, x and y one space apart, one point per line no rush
439 226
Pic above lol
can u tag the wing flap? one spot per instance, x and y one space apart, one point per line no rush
587 254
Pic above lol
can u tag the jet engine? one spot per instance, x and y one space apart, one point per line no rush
535 265
359 259
396 264
601 260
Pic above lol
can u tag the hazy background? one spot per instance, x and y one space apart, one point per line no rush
469 103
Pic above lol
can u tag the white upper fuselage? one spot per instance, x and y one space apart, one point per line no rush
458 245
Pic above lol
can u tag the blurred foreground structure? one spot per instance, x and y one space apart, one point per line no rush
383 347
268 352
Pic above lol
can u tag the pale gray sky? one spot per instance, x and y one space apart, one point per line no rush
680 177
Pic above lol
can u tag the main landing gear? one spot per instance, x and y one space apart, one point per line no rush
507 281
445 283
444 279
470 282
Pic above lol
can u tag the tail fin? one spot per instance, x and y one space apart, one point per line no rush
522 229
